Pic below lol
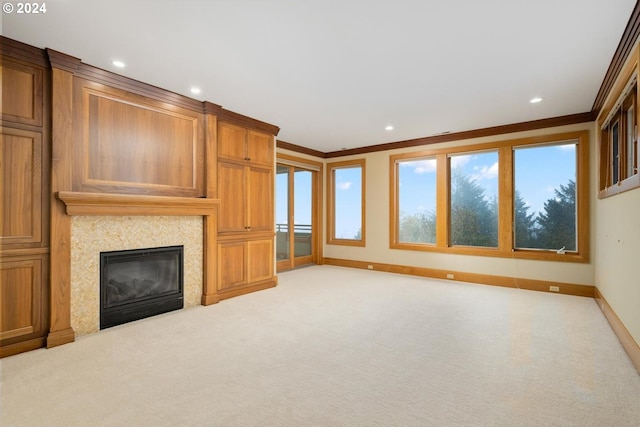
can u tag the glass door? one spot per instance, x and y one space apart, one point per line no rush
294 216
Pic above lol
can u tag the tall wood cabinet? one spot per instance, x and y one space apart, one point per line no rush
246 213
24 201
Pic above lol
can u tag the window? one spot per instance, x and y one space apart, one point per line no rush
417 200
619 143
474 199
346 201
545 203
526 198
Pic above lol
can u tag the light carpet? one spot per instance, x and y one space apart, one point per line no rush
333 346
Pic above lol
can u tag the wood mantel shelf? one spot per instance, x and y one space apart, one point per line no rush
78 203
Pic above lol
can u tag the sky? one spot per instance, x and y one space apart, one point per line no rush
539 170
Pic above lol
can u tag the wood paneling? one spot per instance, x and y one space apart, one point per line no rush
232 266
22 93
260 148
231 142
260 260
21 187
19 287
232 191
260 195
126 143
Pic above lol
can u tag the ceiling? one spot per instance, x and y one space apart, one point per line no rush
333 74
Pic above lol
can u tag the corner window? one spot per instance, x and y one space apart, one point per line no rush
346 190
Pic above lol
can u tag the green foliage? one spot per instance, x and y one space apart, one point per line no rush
557 224
474 219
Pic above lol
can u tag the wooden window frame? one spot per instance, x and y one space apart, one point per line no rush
331 193
506 196
622 98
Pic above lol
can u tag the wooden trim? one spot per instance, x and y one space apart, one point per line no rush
628 343
23 252
506 194
77 203
629 37
56 338
60 226
331 193
299 149
211 108
241 290
63 61
299 161
484 279
24 52
210 224
108 78
247 122
621 187
22 346
477 133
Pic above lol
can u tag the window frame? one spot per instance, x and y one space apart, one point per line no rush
331 193
506 199
623 98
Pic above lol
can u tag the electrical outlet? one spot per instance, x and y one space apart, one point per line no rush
449 276
554 288
370 267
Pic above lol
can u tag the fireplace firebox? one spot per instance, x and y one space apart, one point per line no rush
135 284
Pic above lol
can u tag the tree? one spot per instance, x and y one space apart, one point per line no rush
474 219
418 228
525 224
557 222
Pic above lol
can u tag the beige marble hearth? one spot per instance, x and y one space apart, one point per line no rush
91 235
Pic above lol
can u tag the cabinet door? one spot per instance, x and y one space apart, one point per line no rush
259 260
21 187
22 298
232 193
260 148
260 194
231 142
232 264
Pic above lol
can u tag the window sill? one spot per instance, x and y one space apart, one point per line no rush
622 186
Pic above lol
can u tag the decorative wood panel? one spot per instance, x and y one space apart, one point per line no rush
260 193
260 148
130 144
232 265
231 142
21 187
21 298
22 93
232 194
260 260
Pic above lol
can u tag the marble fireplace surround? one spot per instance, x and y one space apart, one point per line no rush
109 226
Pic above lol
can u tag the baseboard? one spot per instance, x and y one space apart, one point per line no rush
57 338
625 338
234 292
21 347
484 279
209 299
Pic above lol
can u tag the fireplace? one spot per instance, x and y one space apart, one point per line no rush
135 284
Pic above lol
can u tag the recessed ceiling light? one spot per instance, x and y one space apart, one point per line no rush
195 90
389 127
119 64
535 100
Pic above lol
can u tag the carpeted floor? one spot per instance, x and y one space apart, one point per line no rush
332 346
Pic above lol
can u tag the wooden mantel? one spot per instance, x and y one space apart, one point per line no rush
78 203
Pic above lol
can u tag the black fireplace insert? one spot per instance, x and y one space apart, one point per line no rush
140 283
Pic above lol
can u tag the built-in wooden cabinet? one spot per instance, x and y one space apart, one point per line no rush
243 263
24 205
245 145
245 220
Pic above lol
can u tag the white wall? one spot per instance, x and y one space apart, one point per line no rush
617 256
377 225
